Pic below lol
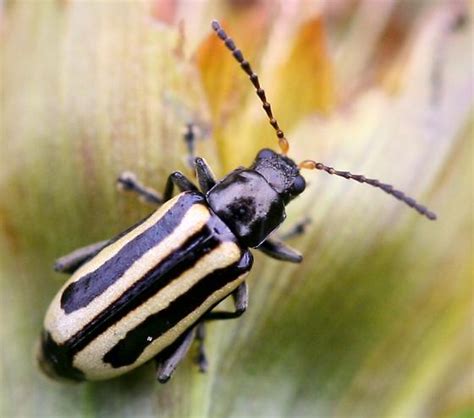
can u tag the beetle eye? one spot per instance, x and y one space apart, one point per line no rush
265 154
298 185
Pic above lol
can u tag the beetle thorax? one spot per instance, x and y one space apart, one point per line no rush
247 203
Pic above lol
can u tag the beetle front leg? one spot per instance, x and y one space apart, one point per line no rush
296 230
69 263
189 137
181 181
204 175
277 249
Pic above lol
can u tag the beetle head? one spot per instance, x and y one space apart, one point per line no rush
280 172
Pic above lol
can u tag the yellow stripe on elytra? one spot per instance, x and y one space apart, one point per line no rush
63 326
89 360
111 250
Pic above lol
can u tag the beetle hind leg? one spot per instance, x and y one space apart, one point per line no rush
69 263
168 360
240 296
201 358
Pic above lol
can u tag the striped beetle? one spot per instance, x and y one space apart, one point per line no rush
147 293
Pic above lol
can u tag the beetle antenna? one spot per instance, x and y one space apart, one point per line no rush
387 188
245 65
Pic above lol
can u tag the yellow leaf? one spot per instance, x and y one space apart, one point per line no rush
306 81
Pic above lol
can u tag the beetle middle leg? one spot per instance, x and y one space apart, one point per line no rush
241 302
128 181
69 263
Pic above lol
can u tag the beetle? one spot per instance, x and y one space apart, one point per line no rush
147 293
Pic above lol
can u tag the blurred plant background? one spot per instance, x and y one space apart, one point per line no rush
378 319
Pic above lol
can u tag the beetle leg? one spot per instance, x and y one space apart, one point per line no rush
276 249
204 174
69 263
296 230
201 359
190 139
181 181
241 301
168 360
128 181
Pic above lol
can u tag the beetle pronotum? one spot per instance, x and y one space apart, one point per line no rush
147 293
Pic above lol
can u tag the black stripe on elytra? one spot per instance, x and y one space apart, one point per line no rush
129 349
56 359
171 268
83 291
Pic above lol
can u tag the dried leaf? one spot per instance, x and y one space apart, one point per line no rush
306 80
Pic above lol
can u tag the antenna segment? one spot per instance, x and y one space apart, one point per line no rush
387 188
245 65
